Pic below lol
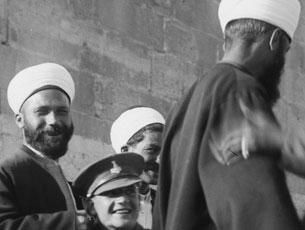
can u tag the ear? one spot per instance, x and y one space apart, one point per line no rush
275 39
19 120
88 205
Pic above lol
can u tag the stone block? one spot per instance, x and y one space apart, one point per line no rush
82 10
180 42
4 107
104 98
299 34
10 135
157 102
107 68
210 51
163 7
3 29
99 64
139 22
44 44
84 92
8 58
128 44
295 59
127 51
91 127
170 76
82 152
198 14
126 96
165 79
292 87
148 28
163 3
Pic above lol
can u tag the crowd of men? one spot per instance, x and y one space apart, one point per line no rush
221 150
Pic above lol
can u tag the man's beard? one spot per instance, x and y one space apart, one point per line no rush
51 142
272 76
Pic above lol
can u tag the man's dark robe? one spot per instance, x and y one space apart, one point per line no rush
30 197
248 194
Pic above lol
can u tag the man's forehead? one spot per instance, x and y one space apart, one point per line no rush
152 133
48 97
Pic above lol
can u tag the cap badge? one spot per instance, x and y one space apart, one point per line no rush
115 168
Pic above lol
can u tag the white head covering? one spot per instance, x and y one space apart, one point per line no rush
281 13
31 79
130 122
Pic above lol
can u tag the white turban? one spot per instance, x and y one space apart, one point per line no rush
281 13
130 122
31 79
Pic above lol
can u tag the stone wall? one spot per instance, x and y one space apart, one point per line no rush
122 53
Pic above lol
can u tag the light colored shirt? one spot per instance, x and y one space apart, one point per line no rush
145 214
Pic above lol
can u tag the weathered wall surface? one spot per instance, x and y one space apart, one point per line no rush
122 53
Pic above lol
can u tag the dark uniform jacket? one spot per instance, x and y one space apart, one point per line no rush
248 194
30 198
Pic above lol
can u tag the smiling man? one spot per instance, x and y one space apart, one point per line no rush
109 189
139 130
34 193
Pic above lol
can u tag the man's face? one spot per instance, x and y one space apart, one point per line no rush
118 208
46 121
149 148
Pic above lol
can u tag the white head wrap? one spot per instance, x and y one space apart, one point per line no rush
130 122
281 13
31 79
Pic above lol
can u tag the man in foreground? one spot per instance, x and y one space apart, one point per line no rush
34 194
197 177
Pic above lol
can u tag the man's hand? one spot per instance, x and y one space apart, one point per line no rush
257 133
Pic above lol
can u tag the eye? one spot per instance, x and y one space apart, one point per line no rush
130 191
152 150
42 111
63 111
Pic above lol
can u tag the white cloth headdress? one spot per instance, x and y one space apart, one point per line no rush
284 14
31 79
130 122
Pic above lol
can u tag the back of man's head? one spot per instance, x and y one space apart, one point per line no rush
247 30
250 20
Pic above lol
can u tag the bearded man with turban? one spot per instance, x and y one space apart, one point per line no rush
34 194
202 182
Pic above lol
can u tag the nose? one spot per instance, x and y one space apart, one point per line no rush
123 199
51 118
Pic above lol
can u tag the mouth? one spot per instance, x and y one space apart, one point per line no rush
54 134
122 211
